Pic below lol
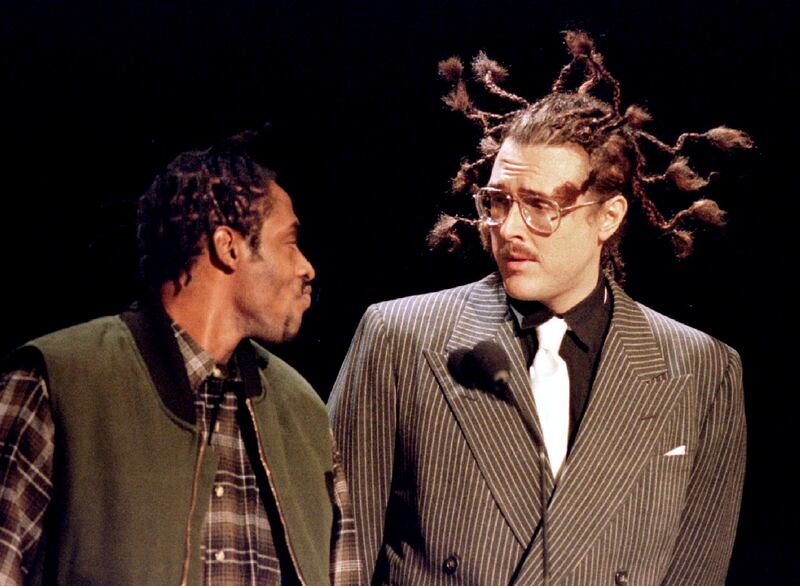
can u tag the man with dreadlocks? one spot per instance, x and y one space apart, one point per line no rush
163 445
539 426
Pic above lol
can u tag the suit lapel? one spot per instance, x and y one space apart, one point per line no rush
630 397
632 393
493 427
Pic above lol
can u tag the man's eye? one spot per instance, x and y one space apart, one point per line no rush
536 204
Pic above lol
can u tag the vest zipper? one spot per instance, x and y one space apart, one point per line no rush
274 494
192 506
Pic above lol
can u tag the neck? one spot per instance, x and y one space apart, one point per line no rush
202 308
576 294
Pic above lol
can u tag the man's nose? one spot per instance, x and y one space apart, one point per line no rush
307 269
513 226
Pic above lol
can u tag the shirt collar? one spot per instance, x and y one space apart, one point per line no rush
587 320
199 363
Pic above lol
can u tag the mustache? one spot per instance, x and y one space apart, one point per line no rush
516 250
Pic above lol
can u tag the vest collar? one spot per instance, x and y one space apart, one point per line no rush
151 329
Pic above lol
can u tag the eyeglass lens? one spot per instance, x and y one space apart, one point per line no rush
539 214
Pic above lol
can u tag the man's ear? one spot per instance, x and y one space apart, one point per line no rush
612 213
225 248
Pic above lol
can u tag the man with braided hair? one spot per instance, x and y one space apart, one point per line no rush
539 426
163 445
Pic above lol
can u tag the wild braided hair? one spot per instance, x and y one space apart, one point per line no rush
615 142
197 192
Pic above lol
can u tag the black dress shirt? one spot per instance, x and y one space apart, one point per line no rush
588 323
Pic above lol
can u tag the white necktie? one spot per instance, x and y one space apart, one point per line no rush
550 381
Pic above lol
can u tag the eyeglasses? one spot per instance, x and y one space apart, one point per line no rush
540 214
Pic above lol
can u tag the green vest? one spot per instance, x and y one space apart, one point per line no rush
127 470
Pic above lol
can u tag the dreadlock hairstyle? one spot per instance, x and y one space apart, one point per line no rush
615 142
196 193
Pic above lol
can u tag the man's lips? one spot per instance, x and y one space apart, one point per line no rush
305 295
516 256
517 263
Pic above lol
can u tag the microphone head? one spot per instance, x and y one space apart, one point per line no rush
459 364
492 363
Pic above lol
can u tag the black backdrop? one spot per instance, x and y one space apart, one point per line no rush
100 95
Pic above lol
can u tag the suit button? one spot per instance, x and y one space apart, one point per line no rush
450 565
621 578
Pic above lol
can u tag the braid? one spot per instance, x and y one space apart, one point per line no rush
612 140
458 98
487 70
197 192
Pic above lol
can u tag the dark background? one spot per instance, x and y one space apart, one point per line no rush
98 96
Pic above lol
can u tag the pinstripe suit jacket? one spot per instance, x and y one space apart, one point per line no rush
445 479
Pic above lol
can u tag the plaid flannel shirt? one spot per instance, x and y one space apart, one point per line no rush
236 545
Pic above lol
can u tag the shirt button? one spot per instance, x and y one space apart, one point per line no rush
450 565
621 578
219 491
220 555
216 372
216 427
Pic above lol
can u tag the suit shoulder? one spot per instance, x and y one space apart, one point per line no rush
686 346
433 309
422 320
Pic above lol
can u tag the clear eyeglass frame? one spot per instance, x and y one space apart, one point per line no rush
540 214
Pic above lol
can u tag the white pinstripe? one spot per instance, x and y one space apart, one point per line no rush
438 470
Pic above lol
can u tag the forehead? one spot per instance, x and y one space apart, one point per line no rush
538 167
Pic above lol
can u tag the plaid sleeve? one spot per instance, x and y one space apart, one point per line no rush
26 467
345 564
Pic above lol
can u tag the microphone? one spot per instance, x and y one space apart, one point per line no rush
487 366
493 367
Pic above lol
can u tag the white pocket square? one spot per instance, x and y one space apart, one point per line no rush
679 451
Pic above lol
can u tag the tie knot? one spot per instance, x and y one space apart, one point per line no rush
550 334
